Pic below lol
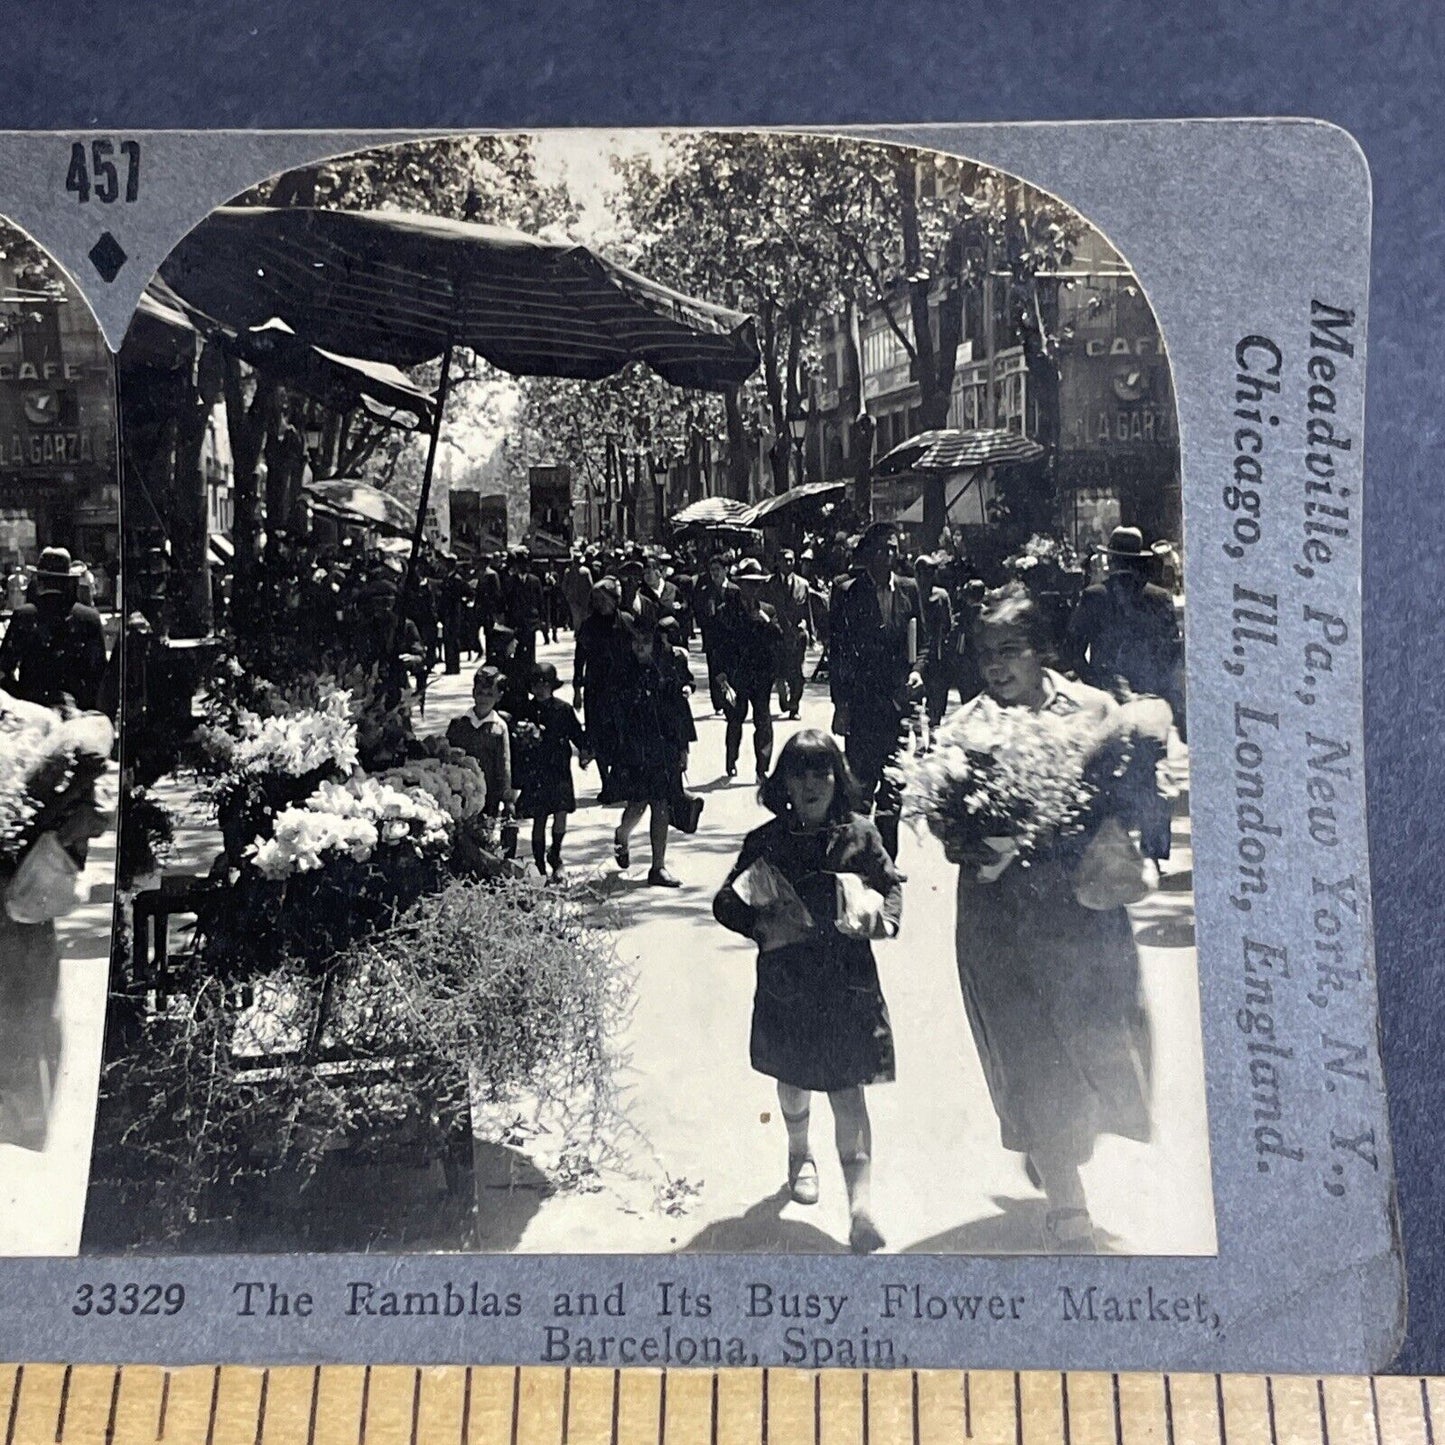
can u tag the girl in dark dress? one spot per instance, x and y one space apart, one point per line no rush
546 768
652 728
819 1020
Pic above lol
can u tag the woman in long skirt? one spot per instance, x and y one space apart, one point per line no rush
1051 988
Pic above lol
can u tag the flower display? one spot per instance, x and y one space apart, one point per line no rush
301 740
354 818
453 778
1040 551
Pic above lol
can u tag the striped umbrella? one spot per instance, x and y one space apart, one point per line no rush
164 329
404 288
363 505
769 508
712 512
951 450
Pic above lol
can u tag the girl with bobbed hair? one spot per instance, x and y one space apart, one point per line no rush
812 887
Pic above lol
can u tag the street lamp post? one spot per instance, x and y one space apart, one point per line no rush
798 430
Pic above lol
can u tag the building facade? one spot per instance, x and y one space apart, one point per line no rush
1112 414
58 482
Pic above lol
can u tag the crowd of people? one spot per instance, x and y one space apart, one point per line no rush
1050 986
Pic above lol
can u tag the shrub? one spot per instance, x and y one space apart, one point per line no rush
478 996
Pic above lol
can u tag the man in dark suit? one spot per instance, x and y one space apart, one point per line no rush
877 636
790 597
55 645
1126 630
522 604
746 659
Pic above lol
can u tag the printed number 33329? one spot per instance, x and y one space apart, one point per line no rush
128 1299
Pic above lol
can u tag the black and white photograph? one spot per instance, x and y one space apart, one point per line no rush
653 718
60 621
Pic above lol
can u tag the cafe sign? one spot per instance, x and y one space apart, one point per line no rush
27 448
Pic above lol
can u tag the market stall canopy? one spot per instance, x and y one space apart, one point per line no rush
951 450
403 288
364 506
712 512
957 489
165 325
771 509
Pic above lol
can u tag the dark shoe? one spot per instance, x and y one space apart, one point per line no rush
661 878
554 858
732 770
1069 1231
803 1179
793 715
864 1236
621 853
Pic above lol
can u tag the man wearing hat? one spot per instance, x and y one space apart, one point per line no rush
522 603
876 639
1126 631
938 626
1125 627
711 595
55 645
789 596
749 638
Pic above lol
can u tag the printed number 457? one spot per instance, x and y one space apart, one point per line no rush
95 171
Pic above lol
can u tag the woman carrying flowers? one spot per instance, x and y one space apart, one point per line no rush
1030 782
51 772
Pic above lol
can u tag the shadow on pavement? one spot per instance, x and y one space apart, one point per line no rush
1018 1228
510 1190
763 1230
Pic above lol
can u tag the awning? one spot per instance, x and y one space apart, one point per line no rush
220 548
403 288
165 326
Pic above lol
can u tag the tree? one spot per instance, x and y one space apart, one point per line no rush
488 179
610 432
730 217
930 234
491 179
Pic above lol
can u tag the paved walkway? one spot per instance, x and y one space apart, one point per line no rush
709 1176
708 1161
42 1195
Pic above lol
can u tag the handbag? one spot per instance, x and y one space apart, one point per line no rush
1112 873
684 809
44 885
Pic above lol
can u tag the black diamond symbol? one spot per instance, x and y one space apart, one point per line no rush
107 257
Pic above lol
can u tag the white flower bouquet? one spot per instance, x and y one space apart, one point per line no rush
52 768
1002 778
354 819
